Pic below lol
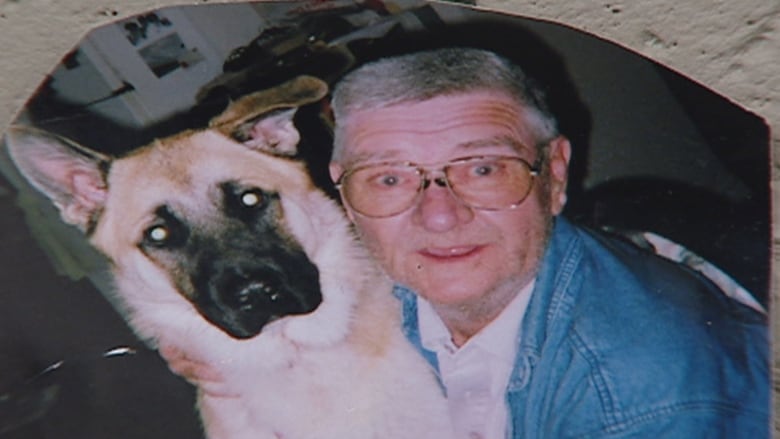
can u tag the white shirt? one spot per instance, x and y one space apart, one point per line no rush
476 374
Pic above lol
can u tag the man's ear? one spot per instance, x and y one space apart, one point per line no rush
335 170
558 157
71 176
264 120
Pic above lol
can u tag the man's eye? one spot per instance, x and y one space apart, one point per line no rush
389 180
486 169
386 178
383 177
483 170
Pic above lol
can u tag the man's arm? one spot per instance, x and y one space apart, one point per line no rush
197 372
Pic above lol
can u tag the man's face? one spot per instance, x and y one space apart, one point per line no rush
447 252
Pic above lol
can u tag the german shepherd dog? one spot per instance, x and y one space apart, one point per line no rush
221 245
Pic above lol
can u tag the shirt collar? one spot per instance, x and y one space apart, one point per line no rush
499 337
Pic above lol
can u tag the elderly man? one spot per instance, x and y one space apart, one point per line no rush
452 169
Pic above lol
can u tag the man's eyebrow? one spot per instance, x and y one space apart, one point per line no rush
395 155
374 157
501 140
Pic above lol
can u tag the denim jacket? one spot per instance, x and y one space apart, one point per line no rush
619 343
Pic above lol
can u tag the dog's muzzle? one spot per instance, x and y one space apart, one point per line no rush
241 295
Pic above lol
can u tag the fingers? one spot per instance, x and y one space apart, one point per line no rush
199 373
189 368
217 389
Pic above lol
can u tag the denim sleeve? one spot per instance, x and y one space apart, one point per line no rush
619 343
585 393
705 421
581 415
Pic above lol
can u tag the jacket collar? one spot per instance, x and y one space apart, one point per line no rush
550 301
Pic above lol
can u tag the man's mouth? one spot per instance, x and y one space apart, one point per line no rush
453 253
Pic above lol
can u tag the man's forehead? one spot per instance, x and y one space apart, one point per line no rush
439 109
498 144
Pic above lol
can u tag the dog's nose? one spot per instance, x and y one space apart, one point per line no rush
241 297
248 294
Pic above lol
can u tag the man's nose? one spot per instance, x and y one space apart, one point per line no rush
438 209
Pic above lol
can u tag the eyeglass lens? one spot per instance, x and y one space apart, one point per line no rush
489 182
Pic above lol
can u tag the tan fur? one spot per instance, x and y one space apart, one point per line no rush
343 371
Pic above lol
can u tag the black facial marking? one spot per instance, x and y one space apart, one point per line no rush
254 282
167 231
241 270
247 204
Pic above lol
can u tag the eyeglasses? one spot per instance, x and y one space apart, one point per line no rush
490 182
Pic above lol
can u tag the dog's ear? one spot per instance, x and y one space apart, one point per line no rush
70 175
272 132
264 120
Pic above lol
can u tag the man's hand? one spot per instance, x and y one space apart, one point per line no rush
200 374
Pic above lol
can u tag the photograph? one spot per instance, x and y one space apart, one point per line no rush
390 219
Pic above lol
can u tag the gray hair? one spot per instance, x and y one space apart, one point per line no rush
420 76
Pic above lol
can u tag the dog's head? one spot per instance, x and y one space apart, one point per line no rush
219 214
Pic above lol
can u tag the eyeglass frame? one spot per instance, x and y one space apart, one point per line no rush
424 172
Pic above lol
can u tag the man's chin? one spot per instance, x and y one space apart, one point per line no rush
449 291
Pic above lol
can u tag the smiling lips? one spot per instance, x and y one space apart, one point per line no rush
454 253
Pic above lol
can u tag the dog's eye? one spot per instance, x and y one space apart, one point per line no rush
165 232
157 235
251 198
244 202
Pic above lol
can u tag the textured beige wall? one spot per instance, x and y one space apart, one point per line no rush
732 47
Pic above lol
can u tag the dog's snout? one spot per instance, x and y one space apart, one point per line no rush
241 295
249 296
245 293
